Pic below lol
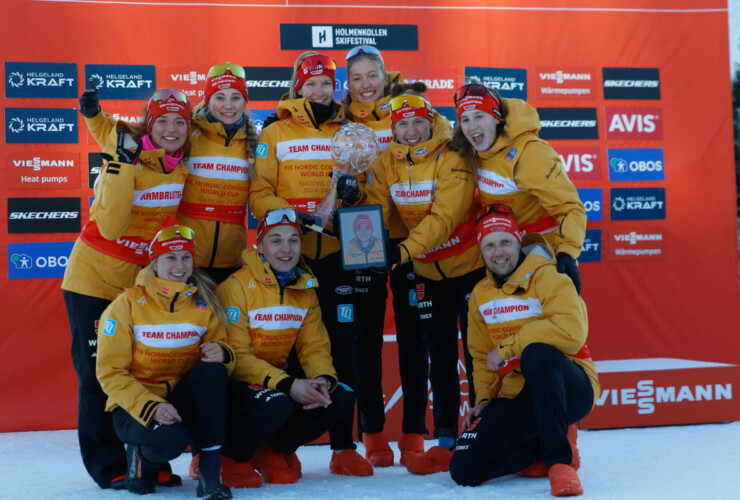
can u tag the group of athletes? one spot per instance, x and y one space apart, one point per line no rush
184 335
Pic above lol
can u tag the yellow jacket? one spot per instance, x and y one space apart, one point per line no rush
267 322
148 338
354 254
536 304
524 172
433 190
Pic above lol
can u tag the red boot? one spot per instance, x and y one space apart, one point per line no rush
193 470
350 463
294 463
564 481
435 459
239 474
273 466
411 446
539 469
377 449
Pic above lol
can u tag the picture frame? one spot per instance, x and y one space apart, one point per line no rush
362 237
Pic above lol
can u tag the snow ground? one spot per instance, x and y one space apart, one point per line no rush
682 462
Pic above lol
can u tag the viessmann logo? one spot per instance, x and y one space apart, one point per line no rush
40 126
31 79
646 395
121 81
565 83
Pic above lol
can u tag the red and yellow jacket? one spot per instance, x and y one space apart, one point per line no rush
354 254
293 166
524 172
268 321
433 190
149 337
536 304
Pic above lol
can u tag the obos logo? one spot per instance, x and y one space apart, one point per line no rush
509 82
258 118
581 162
592 199
122 81
637 203
591 251
634 123
568 123
636 164
38 260
40 126
41 79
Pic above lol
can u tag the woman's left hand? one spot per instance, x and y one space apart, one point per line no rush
212 352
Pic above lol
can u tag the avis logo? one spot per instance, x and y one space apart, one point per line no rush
21 261
15 79
633 123
16 125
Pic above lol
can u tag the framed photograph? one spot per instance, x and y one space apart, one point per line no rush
362 237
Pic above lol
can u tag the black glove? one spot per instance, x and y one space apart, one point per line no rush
567 265
89 101
335 223
123 154
270 119
347 188
394 258
309 220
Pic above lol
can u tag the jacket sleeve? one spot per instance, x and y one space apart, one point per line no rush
487 383
263 190
564 323
115 191
453 197
115 341
217 333
249 368
313 347
540 172
103 129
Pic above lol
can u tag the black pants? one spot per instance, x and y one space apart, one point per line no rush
102 452
338 314
259 415
512 434
442 305
370 301
201 400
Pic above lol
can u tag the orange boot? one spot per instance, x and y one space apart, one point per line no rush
239 474
539 469
350 463
193 470
377 449
564 481
294 463
411 446
435 459
273 466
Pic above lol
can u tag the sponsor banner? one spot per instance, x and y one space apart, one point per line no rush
509 82
346 36
631 83
38 260
592 199
634 123
122 81
644 243
340 83
441 82
40 126
565 83
189 79
268 83
568 123
94 164
637 203
43 215
40 79
591 250
127 112
43 170
634 394
581 162
644 164
258 118
252 221
449 112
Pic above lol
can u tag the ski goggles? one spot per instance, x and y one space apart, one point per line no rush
477 96
497 217
171 239
163 95
166 101
277 217
315 65
409 106
172 232
362 49
221 69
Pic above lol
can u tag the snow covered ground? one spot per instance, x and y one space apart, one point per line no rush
683 462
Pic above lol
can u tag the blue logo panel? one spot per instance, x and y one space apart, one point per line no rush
30 79
509 82
40 126
38 260
346 36
232 314
593 200
591 251
637 203
449 112
258 117
345 313
122 81
636 164
109 327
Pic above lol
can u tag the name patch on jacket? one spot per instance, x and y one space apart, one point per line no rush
232 314
304 149
169 336
219 167
109 327
511 309
414 193
277 317
163 195
492 183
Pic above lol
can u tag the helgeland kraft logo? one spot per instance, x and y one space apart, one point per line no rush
26 79
591 251
38 260
120 81
40 126
637 203
509 82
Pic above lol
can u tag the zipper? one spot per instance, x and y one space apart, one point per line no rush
172 304
215 244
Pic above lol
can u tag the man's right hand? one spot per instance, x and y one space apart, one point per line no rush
311 393
89 101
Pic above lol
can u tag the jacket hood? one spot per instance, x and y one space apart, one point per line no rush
167 295
522 118
537 254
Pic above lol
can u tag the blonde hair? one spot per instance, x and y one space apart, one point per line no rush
378 60
293 94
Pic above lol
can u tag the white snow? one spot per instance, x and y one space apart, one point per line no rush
682 462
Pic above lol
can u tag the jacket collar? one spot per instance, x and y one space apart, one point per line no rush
418 153
536 254
262 271
168 295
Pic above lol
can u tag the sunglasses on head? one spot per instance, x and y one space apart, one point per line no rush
170 95
221 69
172 232
362 49
498 208
473 89
408 100
316 61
